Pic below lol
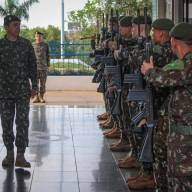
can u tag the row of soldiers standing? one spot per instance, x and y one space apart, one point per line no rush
146 81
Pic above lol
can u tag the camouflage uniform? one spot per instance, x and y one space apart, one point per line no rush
42 56
178 76
17 66
162 55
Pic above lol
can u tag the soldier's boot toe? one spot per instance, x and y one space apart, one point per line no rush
142 182
21 161
120 147
116 134
124 159
130 162
104 123
129 179
8 161
36 99
102 117
41 99
110 131
108 125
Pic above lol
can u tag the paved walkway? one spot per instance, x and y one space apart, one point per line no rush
80 98
67 149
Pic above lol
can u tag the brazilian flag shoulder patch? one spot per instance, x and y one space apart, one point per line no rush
175 65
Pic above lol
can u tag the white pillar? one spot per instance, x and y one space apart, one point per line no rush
62 27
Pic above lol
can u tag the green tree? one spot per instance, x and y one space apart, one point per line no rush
51 33
13 7
90 17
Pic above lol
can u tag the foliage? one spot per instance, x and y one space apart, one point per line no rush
91 16
14 7
51 33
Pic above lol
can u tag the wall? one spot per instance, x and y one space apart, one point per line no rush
70 83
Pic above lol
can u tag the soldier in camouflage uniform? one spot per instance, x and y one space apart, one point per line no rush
178 77
42 54
162 55
136 57
121 55
108 45
17 68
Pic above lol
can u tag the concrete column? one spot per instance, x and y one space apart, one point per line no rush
178 11
154 9
161 8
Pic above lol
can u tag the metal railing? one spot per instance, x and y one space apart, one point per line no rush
70 59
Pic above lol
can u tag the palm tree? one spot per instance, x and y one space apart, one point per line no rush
13 7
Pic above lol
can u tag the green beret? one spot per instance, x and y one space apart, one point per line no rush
113 19
141 20
126 21
163 24
10 18
121 17
182 31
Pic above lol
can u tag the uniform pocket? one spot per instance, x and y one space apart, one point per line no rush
180 155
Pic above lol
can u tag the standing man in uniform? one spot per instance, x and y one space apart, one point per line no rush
162 55
42 55
178 77
17 68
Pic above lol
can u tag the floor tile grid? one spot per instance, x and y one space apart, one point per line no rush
71 128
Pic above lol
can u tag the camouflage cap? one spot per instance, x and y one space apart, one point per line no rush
113 19
38 33
182 31
126 21
163 24
141 20
10 18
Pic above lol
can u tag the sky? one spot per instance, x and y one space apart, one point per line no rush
48 12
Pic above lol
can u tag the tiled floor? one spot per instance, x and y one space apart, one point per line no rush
68 154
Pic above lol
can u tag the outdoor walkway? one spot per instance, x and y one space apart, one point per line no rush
67 150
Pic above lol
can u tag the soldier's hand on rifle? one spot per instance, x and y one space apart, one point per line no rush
147 66
117 54
112 45
142 123
112 88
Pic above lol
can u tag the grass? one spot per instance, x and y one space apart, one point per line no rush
70 69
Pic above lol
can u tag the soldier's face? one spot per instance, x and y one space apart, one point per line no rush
113 26
174 45
13 28
38 38
125 31
155 35
135 31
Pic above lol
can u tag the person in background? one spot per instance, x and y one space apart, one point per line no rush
43 62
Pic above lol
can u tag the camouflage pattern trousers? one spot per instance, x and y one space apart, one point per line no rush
17 109
180 158
41 79
160 153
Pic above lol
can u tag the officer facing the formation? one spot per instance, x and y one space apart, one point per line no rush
42 55
17 68
178 77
